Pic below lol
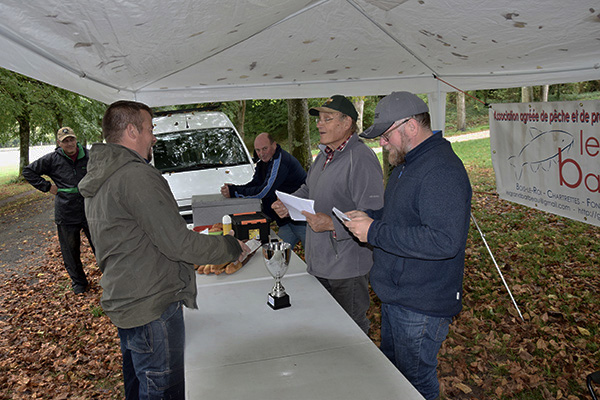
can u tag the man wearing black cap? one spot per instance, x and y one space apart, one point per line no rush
66 166
419 238
347 175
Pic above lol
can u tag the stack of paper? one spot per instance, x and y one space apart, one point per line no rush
296 205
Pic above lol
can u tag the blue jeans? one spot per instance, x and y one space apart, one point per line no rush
412 341
153 357
293 232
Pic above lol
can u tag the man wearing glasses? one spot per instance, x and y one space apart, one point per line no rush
419 238
347 175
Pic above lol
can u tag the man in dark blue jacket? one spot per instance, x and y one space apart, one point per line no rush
419 238
276 170
66 166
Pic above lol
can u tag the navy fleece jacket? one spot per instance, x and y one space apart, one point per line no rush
283 172
420 234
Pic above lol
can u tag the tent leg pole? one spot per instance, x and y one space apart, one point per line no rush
497 268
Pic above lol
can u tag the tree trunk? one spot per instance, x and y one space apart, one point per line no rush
241 117
385 161
24 135
359 104
545 91
526 94
298 131
461 113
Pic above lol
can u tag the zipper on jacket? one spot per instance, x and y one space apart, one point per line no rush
333 244
401 171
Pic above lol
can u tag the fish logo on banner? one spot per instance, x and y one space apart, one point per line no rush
541 151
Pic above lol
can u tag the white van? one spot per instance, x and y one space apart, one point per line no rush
197 152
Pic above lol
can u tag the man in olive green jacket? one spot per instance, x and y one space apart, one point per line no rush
145 251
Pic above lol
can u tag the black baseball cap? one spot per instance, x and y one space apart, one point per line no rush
392 108
334 104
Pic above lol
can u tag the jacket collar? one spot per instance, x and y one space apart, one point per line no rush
275 155
353 138
434 140
80 151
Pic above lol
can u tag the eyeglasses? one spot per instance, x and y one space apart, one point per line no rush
324 120
386 136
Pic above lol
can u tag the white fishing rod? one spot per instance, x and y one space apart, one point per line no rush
498 268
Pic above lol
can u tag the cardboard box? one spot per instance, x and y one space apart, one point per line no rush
210 209
254 225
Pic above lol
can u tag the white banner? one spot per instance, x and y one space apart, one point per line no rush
546 156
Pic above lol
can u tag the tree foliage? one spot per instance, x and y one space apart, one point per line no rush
33 111
47 108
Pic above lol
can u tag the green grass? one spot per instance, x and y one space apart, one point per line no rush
11 184
474 153
97 311
8 174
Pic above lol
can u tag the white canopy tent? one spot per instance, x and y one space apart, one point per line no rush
192 51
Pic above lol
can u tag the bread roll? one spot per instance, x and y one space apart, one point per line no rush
233 267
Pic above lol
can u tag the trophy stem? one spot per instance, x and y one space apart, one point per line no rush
277 258
278 290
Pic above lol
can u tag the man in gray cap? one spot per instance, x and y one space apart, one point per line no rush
66 166
419 238
347 175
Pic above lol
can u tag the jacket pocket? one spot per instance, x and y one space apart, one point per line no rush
398 270
141 340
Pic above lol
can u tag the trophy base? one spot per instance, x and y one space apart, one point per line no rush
278 302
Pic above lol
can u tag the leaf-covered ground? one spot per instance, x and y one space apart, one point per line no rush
551 266
53 343
56 345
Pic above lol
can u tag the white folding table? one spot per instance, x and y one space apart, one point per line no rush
237 347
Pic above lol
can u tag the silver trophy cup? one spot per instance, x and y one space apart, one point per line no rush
277 260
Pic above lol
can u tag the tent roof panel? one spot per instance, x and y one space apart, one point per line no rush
188 51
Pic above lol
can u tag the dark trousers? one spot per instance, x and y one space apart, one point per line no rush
69 236
353 295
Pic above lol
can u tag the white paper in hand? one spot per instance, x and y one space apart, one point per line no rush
253 244
343 217
296 205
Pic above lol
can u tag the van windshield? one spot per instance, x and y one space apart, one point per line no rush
198 149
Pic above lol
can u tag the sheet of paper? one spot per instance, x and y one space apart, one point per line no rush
253 244
343 217
296 205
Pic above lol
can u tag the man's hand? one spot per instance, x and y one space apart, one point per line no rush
356 214
225 190
319 222
245 251
53 189
359 224
280 209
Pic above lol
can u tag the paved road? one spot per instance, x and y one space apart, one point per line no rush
9 156
25 233
469 136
